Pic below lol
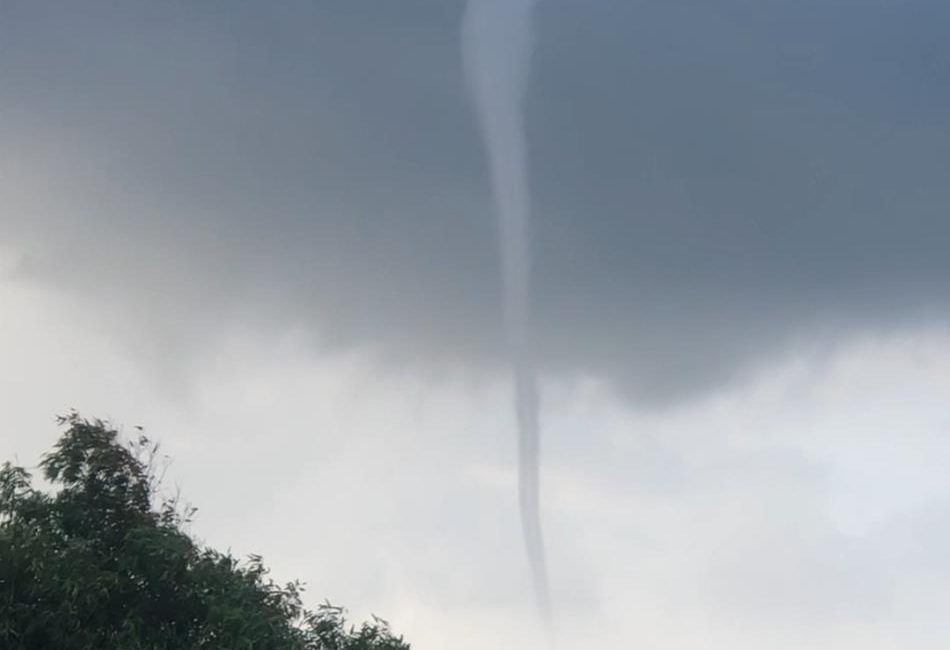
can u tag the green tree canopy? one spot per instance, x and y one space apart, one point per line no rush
100 561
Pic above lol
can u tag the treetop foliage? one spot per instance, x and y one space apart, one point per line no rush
102 561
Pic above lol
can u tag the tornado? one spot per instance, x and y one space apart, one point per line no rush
497 41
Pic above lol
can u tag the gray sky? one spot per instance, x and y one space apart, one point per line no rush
265 231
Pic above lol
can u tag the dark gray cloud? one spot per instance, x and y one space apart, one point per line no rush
713 181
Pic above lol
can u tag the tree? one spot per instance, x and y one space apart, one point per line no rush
100 561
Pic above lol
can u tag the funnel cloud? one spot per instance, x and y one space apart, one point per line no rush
497 42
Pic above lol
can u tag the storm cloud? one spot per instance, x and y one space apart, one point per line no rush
714 183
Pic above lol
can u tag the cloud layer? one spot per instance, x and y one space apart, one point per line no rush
715 183
808 507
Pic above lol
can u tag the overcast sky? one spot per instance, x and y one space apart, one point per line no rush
265 232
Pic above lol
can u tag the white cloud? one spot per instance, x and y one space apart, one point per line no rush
806 507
